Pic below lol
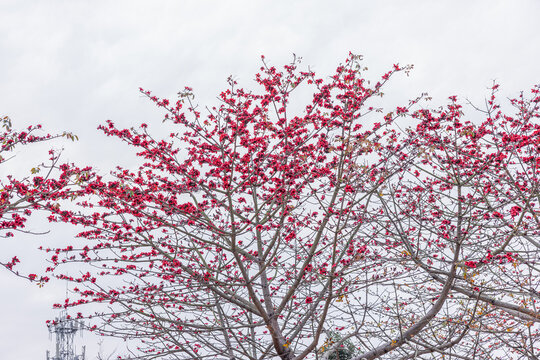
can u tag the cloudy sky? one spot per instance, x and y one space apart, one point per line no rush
72 65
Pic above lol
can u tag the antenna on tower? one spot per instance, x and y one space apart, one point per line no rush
64 327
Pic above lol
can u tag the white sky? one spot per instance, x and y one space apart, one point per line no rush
72 65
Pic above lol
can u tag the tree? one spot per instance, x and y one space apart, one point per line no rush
20 197
464 218
253 233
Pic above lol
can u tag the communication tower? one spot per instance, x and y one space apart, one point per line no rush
65 328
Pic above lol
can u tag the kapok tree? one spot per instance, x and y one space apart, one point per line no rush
460 225
20 197
255 233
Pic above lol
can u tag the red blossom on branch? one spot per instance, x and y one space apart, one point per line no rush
19 198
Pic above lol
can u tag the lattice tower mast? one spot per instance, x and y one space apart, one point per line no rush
65 328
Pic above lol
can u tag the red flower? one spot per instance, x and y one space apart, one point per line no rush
514 211
309 300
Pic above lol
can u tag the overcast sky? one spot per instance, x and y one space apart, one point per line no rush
72 65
